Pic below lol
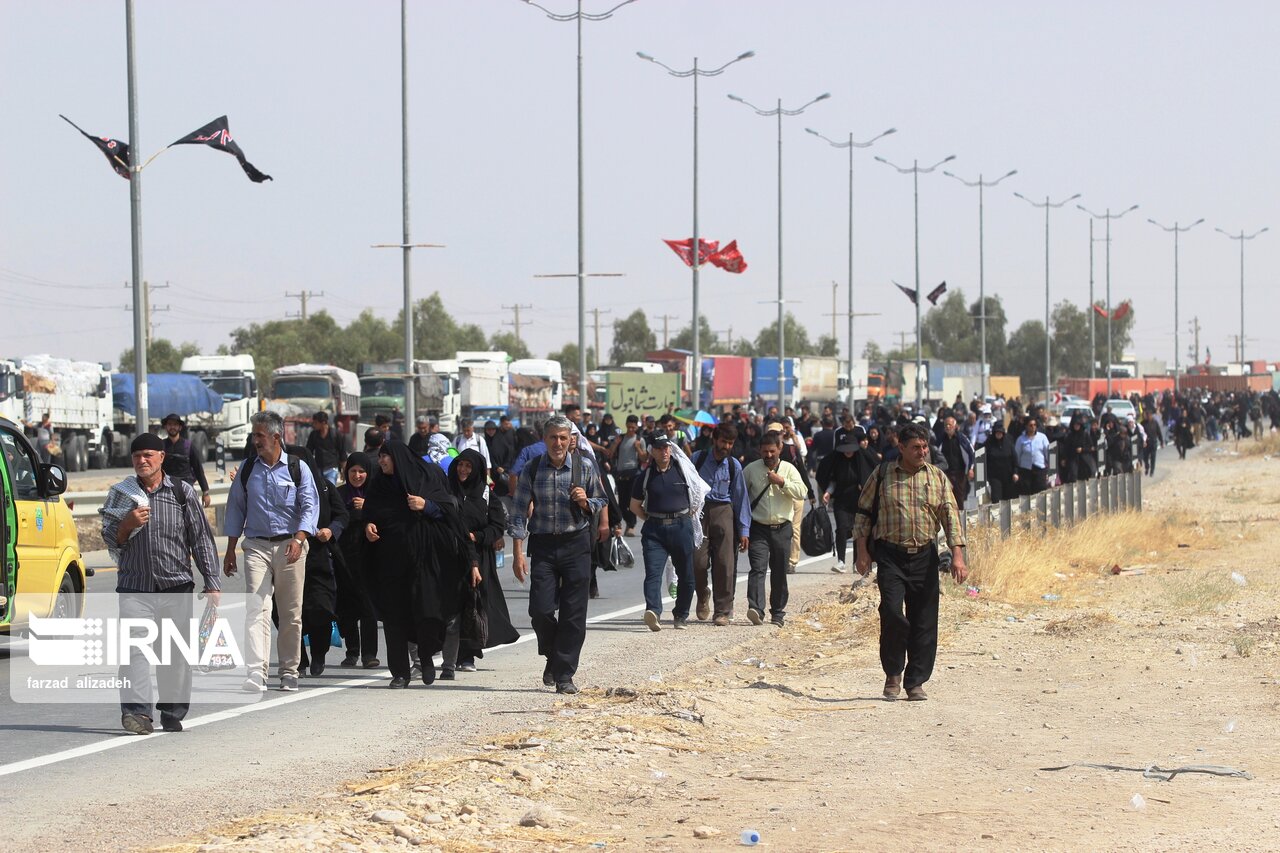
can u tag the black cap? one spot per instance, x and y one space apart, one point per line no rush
173 416
661 441
490 425
847 447
147 441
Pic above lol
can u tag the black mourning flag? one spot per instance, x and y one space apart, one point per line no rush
911 294
216 134
116 152
936 293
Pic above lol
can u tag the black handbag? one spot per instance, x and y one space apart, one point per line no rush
475 619
816 536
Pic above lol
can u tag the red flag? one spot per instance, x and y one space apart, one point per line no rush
936 293
1122 311
729 258
911 294
684 248
1100 311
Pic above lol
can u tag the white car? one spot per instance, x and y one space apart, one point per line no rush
1122 409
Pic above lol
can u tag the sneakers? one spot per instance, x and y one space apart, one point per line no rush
548 680
446 675
777 621
755 617
839 568
892 687
679 623
137 724
567 687
467 666
255 683
704 610
672 589
651 619
791 569
720 621
289 683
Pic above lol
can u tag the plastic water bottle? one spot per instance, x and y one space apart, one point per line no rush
500 558
1239 579
750 837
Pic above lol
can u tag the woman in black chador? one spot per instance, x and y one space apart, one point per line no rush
484 518
416 555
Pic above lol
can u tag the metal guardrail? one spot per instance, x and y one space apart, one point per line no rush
87 504
1061 506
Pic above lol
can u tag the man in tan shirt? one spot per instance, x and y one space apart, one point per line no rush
773 486
899 512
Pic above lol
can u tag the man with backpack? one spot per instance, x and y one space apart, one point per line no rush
726 526
628 452
899 513
274 504
660 497
180 462
565 492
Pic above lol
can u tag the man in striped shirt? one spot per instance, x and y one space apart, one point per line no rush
153 525
899 512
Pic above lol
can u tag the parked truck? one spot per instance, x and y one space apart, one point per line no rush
485 389
233 378
764 382
77 396
178 393
537 390
436 391
298 391
821 380
726 382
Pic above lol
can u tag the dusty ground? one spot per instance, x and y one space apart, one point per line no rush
1171 664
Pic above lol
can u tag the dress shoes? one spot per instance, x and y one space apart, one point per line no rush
892 687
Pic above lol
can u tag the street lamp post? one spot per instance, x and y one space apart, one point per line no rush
982 287
780 112
850 144
578 17
1048 357
1108 216
1242 237
695 72
915 172
1177 355
135 231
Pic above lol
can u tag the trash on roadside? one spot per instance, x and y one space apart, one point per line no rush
1051 596
972 591
1229 727
1239 579
750 837
1138 802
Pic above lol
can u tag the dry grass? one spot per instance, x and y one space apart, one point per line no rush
1030 564
1268 446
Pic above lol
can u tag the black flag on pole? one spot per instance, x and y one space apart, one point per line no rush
116 152
936 293
217 135
911 294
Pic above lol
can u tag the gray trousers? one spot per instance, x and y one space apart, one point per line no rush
717 557
174 680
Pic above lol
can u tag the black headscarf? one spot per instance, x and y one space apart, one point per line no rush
473 488
414 475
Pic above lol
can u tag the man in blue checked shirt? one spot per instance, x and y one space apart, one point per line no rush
275 506
726 526
565 492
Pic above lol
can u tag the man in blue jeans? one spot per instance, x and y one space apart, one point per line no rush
660 497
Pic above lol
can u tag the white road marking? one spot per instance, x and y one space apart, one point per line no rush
301 696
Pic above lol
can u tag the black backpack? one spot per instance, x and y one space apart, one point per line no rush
295 471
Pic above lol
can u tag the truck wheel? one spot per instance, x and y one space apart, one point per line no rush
70 462
82 452
67 603
200 447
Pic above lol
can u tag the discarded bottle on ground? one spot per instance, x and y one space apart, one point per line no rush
750 837
1239 579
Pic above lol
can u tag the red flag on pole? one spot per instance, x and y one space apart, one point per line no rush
684 248
1122 311
1100 311
729 258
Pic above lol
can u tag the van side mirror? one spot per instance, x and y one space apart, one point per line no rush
53 480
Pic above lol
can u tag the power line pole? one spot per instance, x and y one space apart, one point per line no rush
728 344
1195 333
516 322
303 297
148 325
596 312
665 318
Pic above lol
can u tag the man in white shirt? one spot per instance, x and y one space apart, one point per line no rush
467 439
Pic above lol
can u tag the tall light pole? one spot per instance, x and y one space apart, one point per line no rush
578 17
1108 216
694 73
1241 237
1048 356
1177 355
410 399
135 231
782 347
850 144
982 285
915 171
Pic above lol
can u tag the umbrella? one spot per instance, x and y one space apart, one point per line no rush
695 418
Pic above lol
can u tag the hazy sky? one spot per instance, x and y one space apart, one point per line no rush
1167 105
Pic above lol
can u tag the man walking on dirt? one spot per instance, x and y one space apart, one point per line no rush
899 513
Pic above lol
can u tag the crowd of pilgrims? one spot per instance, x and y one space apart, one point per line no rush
418 548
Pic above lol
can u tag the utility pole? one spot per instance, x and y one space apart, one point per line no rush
665 318
148 326
1195 334
597 312
728 340
303 297
516 322
1235 342
834 313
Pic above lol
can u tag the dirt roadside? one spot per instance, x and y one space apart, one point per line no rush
1173 665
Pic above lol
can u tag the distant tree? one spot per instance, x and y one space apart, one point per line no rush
950 331
708 342
1025 358
632 339
872 353
796 338
827 346
162 356
743 347
506 342
568 358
